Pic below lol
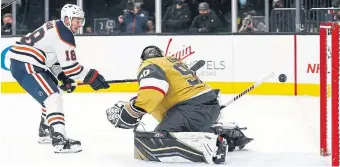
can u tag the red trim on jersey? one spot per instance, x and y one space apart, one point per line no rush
44 84
154 88
40 56
55 119
74 70
94 76
30 68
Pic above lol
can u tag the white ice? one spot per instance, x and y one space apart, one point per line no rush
286 132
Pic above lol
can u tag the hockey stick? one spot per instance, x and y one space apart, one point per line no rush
195 67
247 90
114 81
8 4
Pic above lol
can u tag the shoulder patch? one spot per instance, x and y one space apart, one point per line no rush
151 71
65 34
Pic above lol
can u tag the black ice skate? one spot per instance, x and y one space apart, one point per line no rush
63 144
234 136
44 133
222 148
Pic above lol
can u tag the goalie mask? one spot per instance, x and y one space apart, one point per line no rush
151 52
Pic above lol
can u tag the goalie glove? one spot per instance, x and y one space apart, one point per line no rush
124 115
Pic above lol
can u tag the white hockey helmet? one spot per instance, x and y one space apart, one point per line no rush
70 11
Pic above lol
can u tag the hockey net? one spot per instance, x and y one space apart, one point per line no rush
329 91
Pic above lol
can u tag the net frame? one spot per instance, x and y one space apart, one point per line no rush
329 91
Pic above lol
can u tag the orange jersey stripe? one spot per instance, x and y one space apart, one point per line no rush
30 68
56 118
31 50
72 71
44 84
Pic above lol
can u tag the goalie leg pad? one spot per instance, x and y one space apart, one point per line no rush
179 147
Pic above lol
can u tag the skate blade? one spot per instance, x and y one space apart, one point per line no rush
73 149
44 140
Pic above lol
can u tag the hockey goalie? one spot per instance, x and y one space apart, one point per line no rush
186 108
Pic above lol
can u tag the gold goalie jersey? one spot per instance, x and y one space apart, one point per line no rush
165 82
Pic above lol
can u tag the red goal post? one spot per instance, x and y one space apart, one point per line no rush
329 91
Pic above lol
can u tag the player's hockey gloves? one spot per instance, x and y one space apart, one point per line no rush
96 80
68 84
124 115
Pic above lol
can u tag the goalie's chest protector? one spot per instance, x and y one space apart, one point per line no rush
183 83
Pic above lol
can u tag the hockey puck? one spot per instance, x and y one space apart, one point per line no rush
282 78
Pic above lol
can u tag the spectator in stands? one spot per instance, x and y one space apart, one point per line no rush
6 28
206 21
251 25
88 30
246 8
134 19
177 17
151 27
336 3
277 4
337 17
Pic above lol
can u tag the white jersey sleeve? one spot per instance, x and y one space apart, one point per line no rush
49 44
65 50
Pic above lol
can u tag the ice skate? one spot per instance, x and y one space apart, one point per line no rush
233 134
221 152
63 144
44 134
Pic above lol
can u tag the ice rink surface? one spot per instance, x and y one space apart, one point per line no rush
286 132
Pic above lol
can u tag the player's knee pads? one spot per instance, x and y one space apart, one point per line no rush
177 147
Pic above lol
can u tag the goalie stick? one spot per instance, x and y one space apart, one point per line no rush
195 67
252 87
